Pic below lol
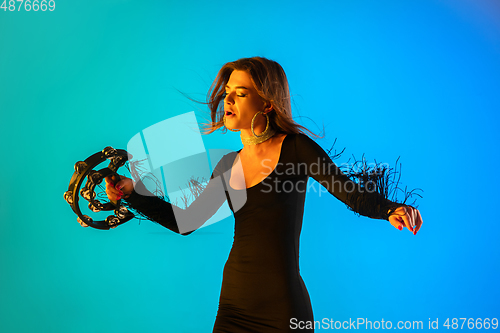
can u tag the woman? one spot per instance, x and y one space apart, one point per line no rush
262 290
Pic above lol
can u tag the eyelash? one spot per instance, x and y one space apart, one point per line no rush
240 95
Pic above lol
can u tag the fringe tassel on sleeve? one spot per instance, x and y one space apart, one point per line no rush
158 204
379 186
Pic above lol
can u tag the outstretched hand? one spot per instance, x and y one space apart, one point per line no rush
406 216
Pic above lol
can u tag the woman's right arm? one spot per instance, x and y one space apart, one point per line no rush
181 221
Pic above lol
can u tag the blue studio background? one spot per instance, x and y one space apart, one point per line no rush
416 79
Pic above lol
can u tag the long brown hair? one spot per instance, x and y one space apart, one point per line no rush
269 80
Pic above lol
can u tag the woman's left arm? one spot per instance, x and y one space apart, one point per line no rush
362 201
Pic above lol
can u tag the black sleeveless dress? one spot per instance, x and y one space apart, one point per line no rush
262 290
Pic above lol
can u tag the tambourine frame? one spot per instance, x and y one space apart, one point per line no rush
85 169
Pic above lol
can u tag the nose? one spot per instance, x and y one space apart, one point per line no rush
229 99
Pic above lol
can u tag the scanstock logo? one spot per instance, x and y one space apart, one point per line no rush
175 164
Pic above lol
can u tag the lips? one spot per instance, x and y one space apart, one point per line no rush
229 113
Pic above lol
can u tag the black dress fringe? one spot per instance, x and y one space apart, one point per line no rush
378 178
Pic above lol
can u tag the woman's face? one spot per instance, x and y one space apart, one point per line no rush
242 102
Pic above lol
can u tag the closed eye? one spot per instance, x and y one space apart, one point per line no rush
239 95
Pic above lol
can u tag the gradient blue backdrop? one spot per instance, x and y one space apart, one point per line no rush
416 79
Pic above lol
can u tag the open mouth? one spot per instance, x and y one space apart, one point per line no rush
229 113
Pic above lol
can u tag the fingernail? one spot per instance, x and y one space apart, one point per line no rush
118 187
121 193
400 227
118 197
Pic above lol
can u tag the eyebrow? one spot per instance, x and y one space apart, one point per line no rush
238 87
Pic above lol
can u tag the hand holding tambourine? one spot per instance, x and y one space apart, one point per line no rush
117 190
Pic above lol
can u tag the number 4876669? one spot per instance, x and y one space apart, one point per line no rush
28 5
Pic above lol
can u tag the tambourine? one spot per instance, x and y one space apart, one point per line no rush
85 169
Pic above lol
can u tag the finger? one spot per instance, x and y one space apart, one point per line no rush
411 216
110 185
395 223
111 179
114 197
120 192
419 221
114 185
111 189
406 221
109 182
120 184
112 192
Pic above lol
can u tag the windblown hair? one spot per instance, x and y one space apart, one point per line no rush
271 83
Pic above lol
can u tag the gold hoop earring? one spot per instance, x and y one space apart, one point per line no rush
267 125
267 134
